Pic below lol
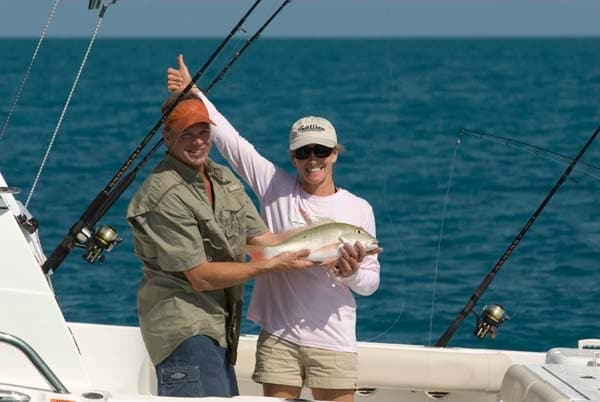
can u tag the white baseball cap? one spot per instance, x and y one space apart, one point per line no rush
312 130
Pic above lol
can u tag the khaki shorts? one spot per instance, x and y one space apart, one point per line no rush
282 362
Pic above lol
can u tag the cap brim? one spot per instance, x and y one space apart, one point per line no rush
182 124
308 140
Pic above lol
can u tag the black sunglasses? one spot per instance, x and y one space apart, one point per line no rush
319 151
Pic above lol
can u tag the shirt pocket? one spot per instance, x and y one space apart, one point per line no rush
212 250
212 240
234 224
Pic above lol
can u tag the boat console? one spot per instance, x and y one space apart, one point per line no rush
568 375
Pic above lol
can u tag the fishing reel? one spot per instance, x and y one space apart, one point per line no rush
95 242
491 318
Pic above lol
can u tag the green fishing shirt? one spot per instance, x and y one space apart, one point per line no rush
175 229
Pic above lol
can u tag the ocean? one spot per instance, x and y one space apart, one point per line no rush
447 205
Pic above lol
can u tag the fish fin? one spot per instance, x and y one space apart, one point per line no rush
308 218
311 219
326 220
325 253
342 240
256 253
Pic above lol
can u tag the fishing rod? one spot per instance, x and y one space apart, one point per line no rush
126 181
218 76
224 70
98 213
167 112
82 233
495 314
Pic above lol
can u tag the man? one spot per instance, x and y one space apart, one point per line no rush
189 220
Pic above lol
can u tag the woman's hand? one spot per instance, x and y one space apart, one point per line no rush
351 257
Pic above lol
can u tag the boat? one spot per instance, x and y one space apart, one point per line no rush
44 357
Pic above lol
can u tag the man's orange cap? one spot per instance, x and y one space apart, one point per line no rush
186 114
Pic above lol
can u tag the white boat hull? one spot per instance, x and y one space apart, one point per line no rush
109 363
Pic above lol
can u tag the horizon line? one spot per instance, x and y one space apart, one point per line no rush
336 37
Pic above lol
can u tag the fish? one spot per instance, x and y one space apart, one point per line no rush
323 240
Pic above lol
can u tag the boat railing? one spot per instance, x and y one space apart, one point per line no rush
593 343
36 360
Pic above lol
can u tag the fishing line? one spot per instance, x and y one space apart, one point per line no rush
391 104
445 338
65 107
439 247
399 315
108 196
26 75
390 327
538 151
534 149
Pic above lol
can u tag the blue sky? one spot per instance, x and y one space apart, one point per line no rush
307 18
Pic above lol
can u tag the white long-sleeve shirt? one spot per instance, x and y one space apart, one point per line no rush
308 307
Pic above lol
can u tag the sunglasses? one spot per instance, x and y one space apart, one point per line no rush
319 151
